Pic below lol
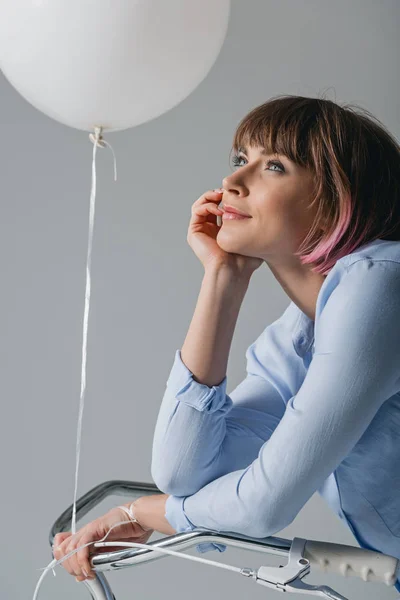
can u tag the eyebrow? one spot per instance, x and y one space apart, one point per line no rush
263 151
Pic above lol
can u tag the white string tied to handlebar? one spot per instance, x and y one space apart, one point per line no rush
101 543
97 141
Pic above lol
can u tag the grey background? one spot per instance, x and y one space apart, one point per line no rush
145 282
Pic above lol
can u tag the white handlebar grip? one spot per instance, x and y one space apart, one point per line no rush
351 561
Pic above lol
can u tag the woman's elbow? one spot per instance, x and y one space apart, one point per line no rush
265 523
170 483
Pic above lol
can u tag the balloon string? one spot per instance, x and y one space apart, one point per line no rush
101 543
97 141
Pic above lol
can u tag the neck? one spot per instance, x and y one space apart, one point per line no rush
300 283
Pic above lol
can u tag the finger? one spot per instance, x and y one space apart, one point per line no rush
83 557
207 213
213 195
201 208
209 216
204 210
66 547
73 559
59 553
60 537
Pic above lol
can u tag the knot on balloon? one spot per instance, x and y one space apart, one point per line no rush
97 138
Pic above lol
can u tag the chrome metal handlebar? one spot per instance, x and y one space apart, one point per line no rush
300 553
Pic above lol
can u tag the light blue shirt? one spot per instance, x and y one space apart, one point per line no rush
319 410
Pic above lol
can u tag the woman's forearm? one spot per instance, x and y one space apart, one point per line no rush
206 348
150 511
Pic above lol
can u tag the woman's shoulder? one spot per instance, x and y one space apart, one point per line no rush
367 278
385 253
377 250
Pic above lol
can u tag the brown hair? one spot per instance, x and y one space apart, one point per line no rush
356 166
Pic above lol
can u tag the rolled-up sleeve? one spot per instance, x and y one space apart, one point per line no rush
202 432
188 431
354 369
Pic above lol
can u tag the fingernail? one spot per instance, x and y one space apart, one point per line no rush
84 572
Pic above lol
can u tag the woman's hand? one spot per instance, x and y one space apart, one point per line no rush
203 231
79 563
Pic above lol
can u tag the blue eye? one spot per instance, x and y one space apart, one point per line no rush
237 158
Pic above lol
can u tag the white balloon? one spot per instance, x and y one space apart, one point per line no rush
109 63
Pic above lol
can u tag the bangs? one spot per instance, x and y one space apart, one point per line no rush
283 127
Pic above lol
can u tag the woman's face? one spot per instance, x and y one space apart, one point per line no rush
276 193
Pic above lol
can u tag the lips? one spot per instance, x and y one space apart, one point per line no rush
231 209
230 216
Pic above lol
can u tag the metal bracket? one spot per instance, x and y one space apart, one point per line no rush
288 578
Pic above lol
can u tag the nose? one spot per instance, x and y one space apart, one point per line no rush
226 183
233 186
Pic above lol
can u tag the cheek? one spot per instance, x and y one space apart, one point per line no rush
286 206
286 222
282 213
297 211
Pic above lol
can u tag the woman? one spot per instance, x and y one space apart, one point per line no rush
318 186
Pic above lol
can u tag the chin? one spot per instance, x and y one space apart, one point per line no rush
228 245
